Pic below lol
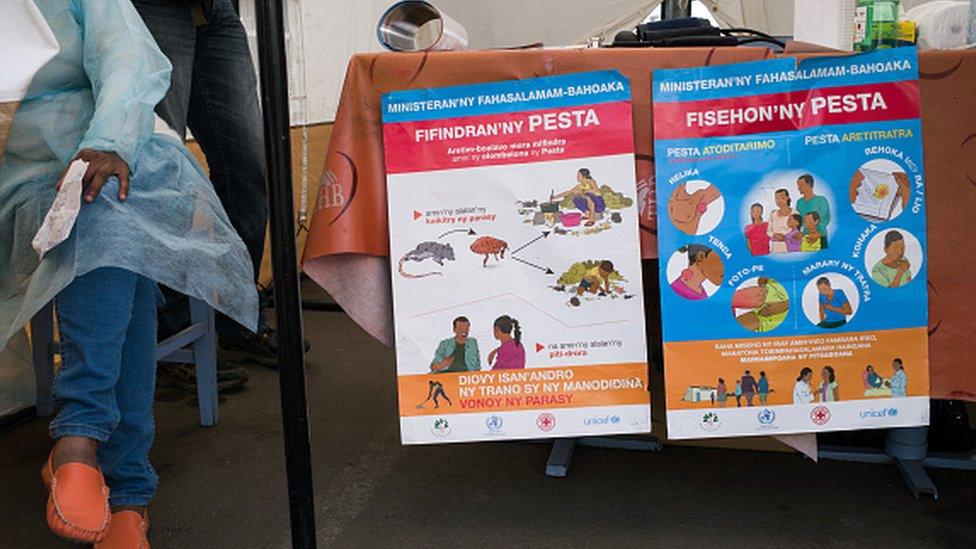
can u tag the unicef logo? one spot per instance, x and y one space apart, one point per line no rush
494 423
766 416
879 413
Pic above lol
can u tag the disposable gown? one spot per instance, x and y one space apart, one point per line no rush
99 93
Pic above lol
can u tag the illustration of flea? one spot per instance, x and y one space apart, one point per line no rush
426 250
489 246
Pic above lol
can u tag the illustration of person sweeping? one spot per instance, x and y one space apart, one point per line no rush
435 390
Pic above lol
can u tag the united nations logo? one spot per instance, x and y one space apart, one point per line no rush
766 416
494 423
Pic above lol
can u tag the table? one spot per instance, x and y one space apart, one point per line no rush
347 246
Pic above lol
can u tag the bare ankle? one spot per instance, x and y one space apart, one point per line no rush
141 509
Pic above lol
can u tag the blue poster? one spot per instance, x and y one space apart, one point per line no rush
791 208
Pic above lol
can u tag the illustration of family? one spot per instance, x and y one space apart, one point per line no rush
829 391
461 354
747 386
788 229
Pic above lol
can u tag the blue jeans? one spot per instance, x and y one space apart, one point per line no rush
213 92
104 388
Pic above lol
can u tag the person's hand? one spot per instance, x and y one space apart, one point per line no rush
101 166
779 237
856 180
902 266
491 356
904 187
444 364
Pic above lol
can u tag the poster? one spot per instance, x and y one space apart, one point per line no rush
791 200
517 295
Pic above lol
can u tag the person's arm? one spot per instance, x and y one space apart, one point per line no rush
774 308
823 315
128 73
836 391
442 357
492 355
575 190
825 214
845 308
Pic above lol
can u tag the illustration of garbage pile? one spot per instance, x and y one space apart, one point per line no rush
565 218
571 283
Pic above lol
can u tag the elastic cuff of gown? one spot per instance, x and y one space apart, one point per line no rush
75 430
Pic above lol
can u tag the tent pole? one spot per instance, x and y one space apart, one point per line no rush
675 9
291 352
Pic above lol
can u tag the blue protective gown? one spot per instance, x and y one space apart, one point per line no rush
99 93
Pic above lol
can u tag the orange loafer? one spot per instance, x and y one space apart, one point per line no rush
77 502
128 531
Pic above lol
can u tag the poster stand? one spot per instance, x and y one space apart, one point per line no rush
906 448
562 449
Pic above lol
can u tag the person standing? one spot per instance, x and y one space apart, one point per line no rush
801 389
763 387
810 202
213 93
829 391
749 387
738 393
899 379
779 221
721 393
148 216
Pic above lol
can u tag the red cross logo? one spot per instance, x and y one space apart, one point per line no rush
546 421
820 415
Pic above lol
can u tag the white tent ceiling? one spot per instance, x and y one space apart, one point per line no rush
325 33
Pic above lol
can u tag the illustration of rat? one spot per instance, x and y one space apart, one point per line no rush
427 250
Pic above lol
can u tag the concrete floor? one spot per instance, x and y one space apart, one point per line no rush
225 487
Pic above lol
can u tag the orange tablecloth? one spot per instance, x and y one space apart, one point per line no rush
347 246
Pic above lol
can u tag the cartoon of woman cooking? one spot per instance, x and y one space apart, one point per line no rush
586 196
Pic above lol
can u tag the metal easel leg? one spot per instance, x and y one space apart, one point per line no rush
560 456
916 478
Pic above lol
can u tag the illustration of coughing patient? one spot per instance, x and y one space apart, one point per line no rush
459 353
510 355
769 304
893 270
597 279
703 264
